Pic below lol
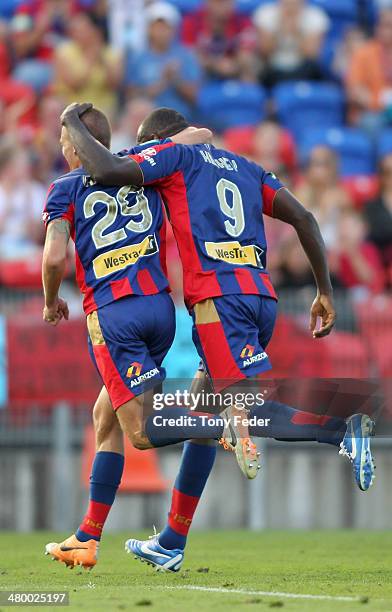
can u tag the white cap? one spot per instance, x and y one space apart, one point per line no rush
165 11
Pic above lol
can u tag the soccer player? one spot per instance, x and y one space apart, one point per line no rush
215 202
121 271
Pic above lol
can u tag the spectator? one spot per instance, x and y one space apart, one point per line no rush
292 269
124 134
166 72
354 260
268 144
369 78
378 213
345 49
223 39
322 193
36 29
17 100
127 24
49 161
291 35
86 68
20 224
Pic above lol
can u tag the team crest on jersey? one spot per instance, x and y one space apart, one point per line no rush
234 253
247 351
121 258
134 369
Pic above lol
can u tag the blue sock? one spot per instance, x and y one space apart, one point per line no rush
104 481
188 425
196 465
289 424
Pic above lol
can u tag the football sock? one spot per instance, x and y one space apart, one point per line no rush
289 424
196 464
104 482
186 424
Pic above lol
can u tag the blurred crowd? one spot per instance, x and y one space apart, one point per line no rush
228 64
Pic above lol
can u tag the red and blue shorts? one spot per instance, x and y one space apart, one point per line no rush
128 340
231 334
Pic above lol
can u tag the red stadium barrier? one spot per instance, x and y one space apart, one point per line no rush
49 364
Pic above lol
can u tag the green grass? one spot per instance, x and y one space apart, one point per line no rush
339 563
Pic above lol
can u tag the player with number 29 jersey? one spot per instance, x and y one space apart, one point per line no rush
216 201
119 236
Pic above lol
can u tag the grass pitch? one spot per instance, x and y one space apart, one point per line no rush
270 569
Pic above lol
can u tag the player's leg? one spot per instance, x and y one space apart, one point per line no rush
122 335
274 419
197 461
106 471
223 328
166 549
82 547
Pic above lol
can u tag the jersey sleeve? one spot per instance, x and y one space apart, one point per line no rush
58 205
159 161
270 185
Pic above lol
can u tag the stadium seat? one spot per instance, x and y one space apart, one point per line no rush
348 355
361 188
231 103
186 6
24 273
302 106
141 468
342 15
312 361
239 139
248 7
384 145
352 145
375 325
382 354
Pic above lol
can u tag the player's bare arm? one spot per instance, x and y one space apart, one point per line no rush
288 209
53 267
101 164
193 136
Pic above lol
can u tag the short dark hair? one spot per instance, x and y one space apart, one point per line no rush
161 123
98 125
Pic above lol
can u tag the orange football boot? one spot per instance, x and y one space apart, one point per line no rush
72 552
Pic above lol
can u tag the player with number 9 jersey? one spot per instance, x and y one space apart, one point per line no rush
216 201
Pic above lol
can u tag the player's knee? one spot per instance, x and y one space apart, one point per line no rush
139 440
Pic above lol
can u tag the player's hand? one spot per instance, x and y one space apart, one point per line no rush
322 307
74 110
54 313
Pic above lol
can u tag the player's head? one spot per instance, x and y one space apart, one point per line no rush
161 123
97 124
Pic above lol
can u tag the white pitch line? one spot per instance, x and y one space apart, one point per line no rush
191 587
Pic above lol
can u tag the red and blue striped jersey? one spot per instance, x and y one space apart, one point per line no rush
119 237
215 200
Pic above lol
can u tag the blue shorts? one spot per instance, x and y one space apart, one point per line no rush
231 334
128 340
